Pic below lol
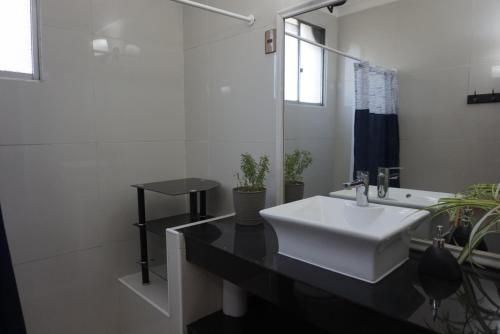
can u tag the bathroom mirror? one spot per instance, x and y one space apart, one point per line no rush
395 96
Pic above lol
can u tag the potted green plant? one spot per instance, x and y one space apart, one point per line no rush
249 197
295 165
484 201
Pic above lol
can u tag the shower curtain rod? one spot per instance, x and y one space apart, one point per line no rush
250 19
324 47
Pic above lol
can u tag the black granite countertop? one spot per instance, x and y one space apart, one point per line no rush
248 257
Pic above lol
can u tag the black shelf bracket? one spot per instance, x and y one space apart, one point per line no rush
483 98
191 186
143 235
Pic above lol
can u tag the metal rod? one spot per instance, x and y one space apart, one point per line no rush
193 206
323 46
143 235
250 19
203 205
313 6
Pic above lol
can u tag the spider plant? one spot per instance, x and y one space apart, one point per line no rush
484 199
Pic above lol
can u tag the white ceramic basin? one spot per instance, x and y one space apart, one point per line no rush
408 198
366 243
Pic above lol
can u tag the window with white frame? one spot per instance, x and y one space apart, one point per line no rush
304 63
18 39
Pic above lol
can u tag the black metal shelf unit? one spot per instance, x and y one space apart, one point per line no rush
196 188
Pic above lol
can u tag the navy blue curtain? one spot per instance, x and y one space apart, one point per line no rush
376 128
11 316
376 143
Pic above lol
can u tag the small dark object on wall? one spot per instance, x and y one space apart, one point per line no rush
270 41
483 98
337 4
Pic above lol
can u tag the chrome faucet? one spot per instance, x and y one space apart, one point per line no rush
362 185
383 177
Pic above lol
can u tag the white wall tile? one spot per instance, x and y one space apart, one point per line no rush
481 165
485 77
66 14
59 109
435 165
342 163
319 176
139 97
486 32
154 22
75 292
67 295
356 40
308 122
195 26
432 34
197 159
49 197
344 112
241 89
137 316
443 52
198 107
125 164
432 104
202 27
71 145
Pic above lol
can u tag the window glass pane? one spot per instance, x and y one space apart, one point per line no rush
15 36
292 26
291 68
311 73
313 33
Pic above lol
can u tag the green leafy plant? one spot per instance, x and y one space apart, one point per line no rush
295 164
254 174
484 200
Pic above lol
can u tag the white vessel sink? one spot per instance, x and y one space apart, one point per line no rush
408 198
366 243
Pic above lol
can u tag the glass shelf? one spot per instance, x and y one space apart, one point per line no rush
158 226
196 188
179 187
159 270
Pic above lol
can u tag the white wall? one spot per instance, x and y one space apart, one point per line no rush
312 128
443 51
71 145
230 100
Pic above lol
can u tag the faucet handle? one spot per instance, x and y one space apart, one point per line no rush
388 169
362 179
362 174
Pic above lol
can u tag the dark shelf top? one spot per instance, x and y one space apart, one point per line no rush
248 256
158 226
178 187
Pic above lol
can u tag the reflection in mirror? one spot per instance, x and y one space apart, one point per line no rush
398 99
